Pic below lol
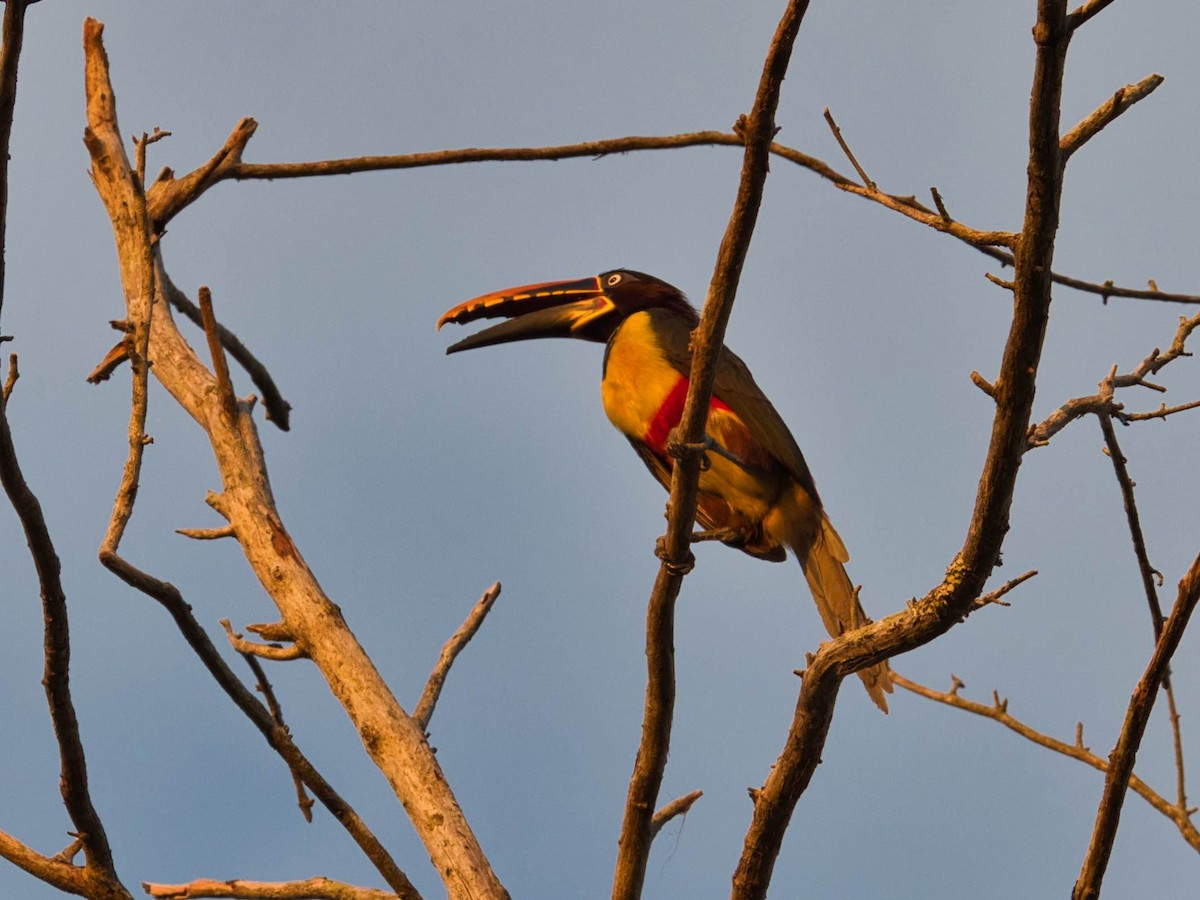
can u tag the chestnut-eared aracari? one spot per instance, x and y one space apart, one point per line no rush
756 492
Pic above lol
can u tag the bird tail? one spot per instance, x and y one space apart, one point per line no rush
823 560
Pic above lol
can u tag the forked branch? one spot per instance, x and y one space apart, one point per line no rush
390 736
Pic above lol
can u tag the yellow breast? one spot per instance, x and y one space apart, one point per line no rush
637 377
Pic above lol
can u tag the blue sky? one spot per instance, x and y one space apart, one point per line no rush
412 481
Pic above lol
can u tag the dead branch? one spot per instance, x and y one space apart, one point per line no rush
1104 114
866 180
454 646
278 410
1082 13
97 877
1102 403
263 686
1121 759
677 807
310 889
389 735
987 242
998 712
13 29
207 534
758 130
946 604
994 596
264 651
278 737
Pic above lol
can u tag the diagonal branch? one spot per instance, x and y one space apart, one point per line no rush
1104 114
1121 761
758 130
998 712
454 646
389 735
1150 578
277 409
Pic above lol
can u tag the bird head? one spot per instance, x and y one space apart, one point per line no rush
589 309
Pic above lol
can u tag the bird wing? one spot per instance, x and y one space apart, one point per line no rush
735 386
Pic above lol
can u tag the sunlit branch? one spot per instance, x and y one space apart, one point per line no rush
310 889
454 646
1121 760
997 711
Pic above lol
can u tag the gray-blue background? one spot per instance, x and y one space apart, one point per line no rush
411 481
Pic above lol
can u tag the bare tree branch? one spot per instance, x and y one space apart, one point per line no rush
1083 13
311 889
668 811
13 32
998 712
454 646
278 410
1102 402
946 604
1122 758
392 739
1119 102
758 130
206 534
987 242
264 651
263 686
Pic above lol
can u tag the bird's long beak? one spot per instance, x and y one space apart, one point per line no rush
553 309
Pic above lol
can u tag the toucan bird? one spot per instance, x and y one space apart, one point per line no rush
756 492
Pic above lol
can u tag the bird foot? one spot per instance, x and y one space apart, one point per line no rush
675 567
727 535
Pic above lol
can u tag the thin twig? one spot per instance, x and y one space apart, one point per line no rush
999 713
668 811
994 596
207 534
1082 13
454 646
278 410
1115 105
866 179
1102 402
264 651
263 686
140 144
217 352
11 381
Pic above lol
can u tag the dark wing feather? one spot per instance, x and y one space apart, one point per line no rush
736 387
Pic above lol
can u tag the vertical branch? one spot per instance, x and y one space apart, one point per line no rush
13 30
947 603
1121 761
98 877
757 130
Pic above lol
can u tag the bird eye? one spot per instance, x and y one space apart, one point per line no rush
614 279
